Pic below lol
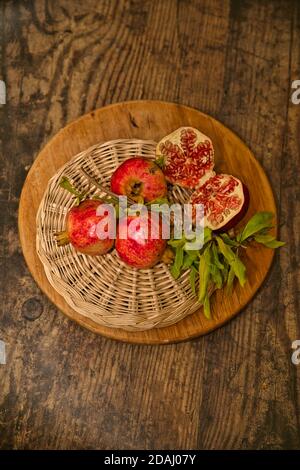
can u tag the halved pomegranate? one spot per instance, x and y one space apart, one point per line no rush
225 200
186 156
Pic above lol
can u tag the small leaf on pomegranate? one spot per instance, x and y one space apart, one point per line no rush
260 221
160 161
268 240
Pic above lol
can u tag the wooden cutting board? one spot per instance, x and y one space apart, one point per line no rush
149 120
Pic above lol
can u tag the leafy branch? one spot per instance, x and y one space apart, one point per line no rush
218 263
66 184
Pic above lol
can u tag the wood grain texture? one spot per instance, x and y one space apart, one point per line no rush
149 120
63 387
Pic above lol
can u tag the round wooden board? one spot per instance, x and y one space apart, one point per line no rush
149 120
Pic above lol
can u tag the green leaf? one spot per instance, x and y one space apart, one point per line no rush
178 262
207 235
216 276
159 200
189 258
193 275
67 185
268 240
187 262
160 161
226 251
206 307
215 257
228 240
225 272
260 221
177 243
204 273
234 261
192 253
239 270
196 265
230 279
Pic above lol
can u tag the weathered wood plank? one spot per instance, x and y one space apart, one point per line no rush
258 408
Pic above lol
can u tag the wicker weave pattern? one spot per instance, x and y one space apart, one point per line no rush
103 288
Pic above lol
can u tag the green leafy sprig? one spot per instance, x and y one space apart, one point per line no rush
66 184
218 263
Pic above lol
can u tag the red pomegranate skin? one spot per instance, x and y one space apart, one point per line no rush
139 177
81 227
138 251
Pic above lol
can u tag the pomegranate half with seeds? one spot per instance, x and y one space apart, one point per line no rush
186 156
82 232
225 200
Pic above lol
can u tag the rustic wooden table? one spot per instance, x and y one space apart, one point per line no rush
64 387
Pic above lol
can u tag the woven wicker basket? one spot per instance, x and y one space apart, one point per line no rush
103 288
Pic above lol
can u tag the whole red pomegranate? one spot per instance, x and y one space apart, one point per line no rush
134 242
139 178
225 200
81 229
